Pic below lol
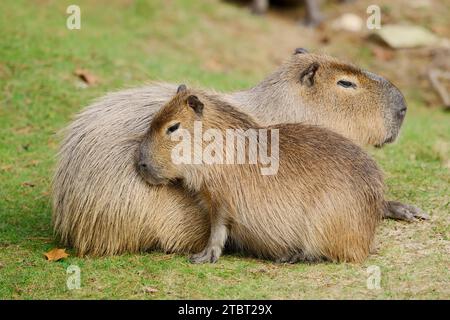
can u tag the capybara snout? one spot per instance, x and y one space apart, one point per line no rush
147 168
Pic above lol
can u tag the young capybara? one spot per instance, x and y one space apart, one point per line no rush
323 200
102 207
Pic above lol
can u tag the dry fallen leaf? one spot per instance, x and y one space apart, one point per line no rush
149 290
28 184
86 76
56 254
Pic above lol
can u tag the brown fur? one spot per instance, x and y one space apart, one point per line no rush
324 202
102 207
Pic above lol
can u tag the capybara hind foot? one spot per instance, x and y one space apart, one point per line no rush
399 211
298 257
208 255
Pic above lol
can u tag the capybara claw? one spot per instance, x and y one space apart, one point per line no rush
209 255
399 211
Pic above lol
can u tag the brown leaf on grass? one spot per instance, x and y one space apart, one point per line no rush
56 254
86 76
28 184
383 54
150 290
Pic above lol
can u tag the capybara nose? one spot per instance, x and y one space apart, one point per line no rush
142 165
401 113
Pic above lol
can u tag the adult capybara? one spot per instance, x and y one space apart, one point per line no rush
101 206
321 199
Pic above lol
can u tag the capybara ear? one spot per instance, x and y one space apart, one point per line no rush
307 75
195 104
181 88
300 51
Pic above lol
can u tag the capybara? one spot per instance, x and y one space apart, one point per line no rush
322 200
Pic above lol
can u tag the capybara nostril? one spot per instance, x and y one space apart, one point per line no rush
401 113
142 165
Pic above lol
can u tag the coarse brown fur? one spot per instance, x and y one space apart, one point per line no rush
102 207
324 202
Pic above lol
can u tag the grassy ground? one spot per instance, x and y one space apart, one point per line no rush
212 44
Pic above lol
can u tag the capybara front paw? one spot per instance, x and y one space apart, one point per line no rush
399 211
287 259
208 255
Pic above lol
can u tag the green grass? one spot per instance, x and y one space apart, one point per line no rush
212 44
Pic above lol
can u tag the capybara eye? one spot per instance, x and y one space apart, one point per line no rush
346 84
173 128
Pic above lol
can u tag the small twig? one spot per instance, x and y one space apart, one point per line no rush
46 239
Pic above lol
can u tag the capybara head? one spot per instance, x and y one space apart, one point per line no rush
155 159
360 105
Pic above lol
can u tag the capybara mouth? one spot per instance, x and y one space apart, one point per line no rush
176 182
150 178
388 140
150 175
156 181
